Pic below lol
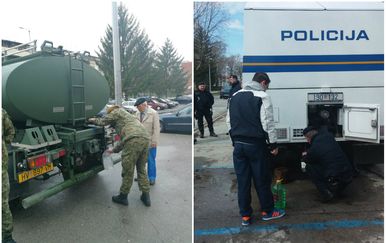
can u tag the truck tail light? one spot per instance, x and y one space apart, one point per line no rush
37 161
62 153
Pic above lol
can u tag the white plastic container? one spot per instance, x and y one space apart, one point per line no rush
107 160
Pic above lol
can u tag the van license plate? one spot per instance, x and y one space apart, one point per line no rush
26 175
325 97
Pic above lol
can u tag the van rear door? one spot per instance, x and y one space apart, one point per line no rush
361 122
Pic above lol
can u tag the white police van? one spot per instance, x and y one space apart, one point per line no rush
326 62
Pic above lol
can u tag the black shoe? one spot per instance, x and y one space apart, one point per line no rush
135 179
212 134
121 199
8 239
202 135
151 182
145 198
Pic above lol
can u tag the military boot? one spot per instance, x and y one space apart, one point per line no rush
8 239
145 198
121 199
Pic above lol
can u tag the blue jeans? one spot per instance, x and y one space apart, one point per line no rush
151 167
251 161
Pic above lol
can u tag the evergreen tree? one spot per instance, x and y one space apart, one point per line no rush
136 55
171 76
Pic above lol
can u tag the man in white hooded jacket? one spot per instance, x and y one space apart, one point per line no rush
251 127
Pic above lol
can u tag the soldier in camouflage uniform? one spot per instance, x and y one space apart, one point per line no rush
134 145
8 134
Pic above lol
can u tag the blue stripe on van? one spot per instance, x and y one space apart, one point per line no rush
313 63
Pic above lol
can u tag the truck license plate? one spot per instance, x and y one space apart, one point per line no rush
325 97
26 175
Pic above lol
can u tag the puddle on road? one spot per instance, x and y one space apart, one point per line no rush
207 178
203 162
234 186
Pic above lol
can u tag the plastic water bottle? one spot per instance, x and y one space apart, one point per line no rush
303 166
279 195
107 160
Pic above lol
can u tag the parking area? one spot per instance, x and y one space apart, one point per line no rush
85 212
358 217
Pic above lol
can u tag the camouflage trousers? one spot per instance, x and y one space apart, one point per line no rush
7 222
134 154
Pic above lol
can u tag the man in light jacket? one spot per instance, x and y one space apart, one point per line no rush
150 120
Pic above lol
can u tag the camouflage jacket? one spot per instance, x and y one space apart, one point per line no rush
126 125
8 129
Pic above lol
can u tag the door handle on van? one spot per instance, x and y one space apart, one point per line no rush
374 123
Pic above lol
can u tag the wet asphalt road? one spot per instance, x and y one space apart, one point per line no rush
85 213
356 218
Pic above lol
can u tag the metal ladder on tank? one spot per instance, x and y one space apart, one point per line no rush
77 115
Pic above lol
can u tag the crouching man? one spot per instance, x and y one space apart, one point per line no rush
327 165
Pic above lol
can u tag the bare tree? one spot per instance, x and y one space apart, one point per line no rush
210 18
234 65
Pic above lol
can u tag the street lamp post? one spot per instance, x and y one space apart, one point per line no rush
210 78
29 32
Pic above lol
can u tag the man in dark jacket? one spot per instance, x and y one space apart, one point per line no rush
235 83
327 165
203 102
252 130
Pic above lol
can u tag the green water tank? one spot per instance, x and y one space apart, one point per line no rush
56 89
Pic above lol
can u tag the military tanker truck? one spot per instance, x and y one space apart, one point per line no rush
49 96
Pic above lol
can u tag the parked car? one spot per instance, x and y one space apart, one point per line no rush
129 106
225 90
164 101
156 105
179 121
184 99
159 100
174 103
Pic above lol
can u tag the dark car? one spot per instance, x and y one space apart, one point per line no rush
179 122
184 99
225 90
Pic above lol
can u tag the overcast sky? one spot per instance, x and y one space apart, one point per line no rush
78 25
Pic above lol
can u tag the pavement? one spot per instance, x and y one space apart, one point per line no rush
358 217
85 213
